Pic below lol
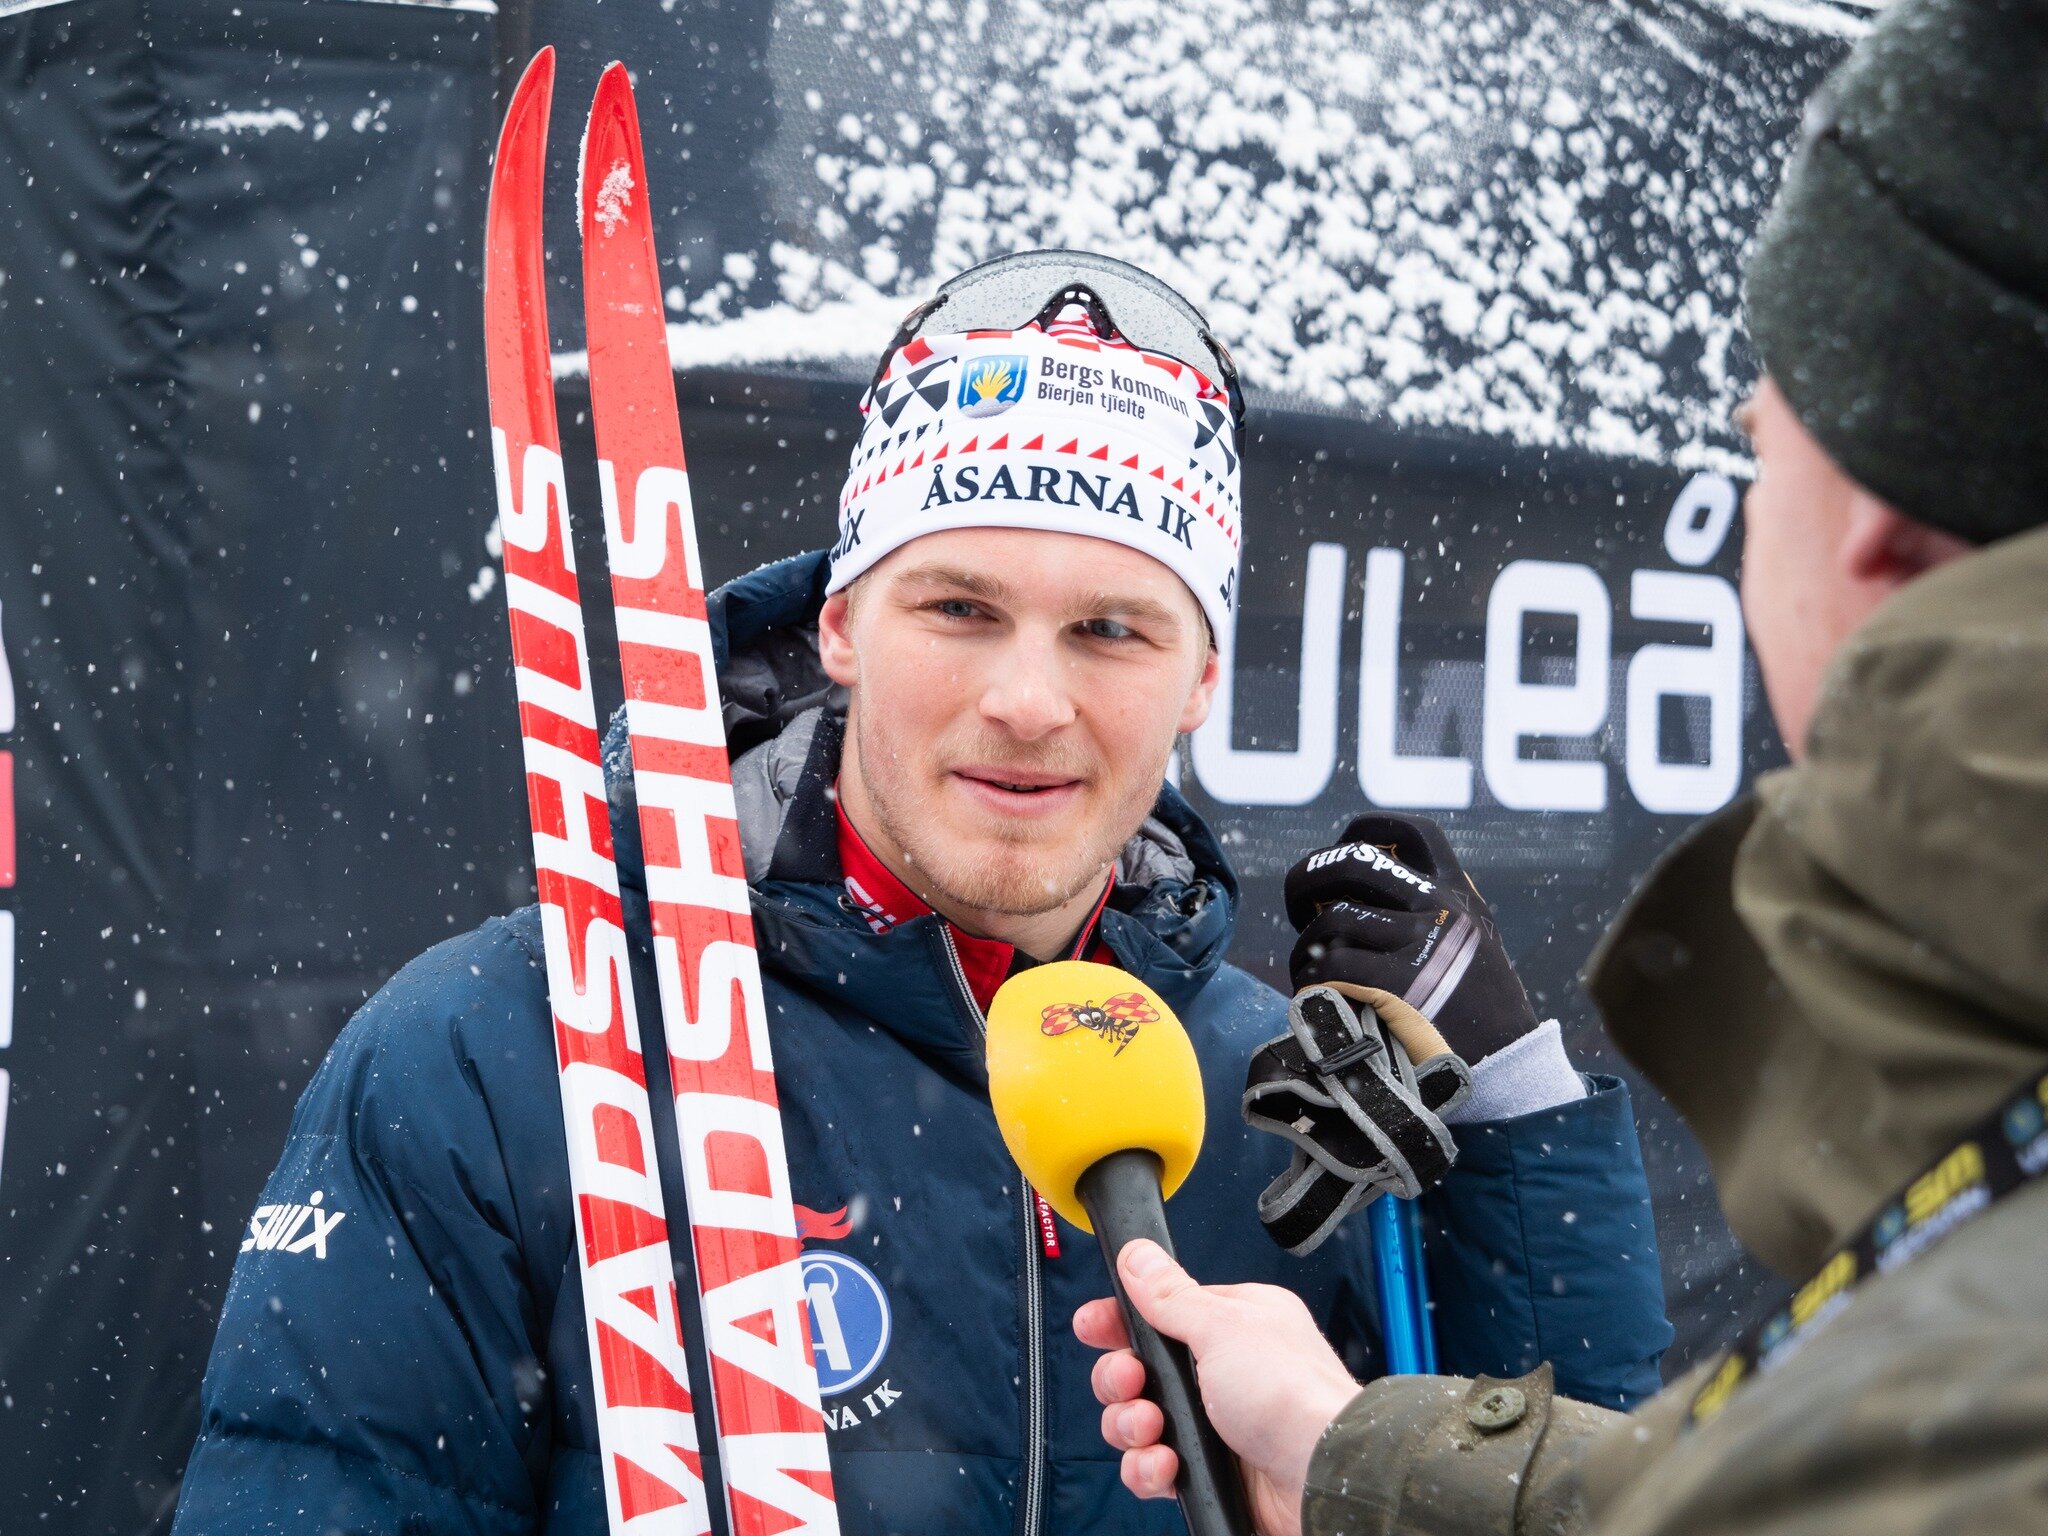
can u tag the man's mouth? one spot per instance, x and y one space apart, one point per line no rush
1017 786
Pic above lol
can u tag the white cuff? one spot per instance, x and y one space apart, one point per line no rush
1519 1079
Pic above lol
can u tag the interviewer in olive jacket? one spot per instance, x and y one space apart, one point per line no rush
1835 980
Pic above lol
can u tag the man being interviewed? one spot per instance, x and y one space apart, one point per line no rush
950 736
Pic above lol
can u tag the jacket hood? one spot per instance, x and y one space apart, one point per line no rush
1833 981
1169 919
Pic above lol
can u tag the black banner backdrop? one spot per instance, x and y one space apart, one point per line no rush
256 725
259 729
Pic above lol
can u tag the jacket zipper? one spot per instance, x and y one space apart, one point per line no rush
1030 1506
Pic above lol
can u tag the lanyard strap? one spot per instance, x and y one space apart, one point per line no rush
2005 1151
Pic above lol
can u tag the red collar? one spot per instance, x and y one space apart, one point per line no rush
886 901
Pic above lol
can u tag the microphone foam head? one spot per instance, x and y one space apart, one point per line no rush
1085 1060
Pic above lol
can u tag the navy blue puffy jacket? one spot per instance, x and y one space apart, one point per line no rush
407 1354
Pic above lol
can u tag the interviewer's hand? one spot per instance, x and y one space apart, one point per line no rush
1269 1380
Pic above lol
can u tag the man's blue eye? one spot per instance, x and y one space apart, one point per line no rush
1109 629
957 608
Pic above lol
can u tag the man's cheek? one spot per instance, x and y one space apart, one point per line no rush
910 700
1137 718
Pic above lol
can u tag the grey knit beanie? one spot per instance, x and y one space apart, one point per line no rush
1898 294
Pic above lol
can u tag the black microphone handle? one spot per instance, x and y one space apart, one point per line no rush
1121 1196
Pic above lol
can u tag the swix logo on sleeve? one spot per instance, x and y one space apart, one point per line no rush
1375 856
293 1228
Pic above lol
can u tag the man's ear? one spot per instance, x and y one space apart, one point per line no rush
835 639
1885 548
1202 694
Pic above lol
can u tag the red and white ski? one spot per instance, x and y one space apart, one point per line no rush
764 1391
771 1431
647 1430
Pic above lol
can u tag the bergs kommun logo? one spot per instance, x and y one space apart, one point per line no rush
991 385
293 1227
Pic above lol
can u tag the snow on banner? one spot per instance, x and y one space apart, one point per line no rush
1518 222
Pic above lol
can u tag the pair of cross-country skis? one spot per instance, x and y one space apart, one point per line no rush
763 1387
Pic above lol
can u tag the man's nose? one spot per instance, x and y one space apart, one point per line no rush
1028 691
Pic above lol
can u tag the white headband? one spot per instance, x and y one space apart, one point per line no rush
1052 429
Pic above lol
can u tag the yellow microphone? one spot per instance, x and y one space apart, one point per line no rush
1099 1098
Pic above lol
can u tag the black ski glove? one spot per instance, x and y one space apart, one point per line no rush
1390 906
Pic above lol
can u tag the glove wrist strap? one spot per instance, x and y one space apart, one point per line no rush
1363 1116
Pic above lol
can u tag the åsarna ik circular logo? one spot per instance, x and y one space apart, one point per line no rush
850 1322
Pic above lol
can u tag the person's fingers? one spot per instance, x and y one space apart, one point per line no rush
1133 1426
1416 841
1363 945
1258 1293
1149 1473
1100 1324
1117 1377
1356 925
1166 1295
1360 873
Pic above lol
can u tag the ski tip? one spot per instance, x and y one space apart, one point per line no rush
614 119
612 171
527 112
537 81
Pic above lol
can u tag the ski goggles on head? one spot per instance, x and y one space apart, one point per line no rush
1033 287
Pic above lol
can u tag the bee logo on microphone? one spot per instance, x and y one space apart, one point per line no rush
1116 1020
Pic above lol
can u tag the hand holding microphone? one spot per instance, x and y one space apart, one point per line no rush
1270 1379
1099 1099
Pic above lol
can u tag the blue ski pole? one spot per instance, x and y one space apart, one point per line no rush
1405 1331
1407 1334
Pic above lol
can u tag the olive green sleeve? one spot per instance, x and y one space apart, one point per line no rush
1450 1456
